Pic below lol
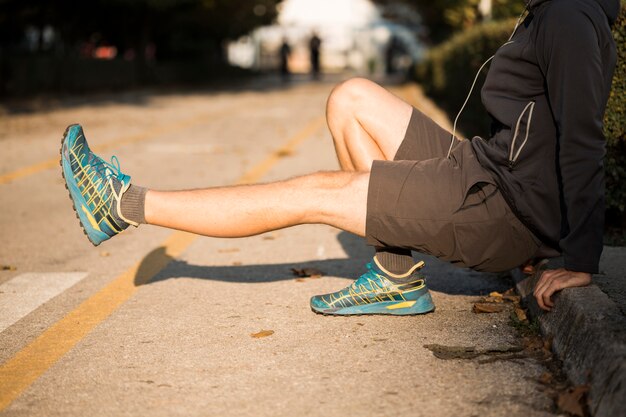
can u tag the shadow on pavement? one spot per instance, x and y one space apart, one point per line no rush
441 276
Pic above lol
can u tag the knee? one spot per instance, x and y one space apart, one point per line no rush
345 98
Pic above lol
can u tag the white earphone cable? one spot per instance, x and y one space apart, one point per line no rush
469 94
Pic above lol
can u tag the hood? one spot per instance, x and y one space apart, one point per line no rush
610 7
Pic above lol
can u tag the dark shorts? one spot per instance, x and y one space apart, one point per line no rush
447 207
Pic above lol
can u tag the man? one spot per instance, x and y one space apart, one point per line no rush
536 184
285 53
315 44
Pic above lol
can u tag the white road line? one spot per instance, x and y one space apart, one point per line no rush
24 293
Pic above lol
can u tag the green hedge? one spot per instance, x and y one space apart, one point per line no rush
449 69
615 124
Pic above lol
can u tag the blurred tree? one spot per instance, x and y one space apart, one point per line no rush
43 42
170 24
444 17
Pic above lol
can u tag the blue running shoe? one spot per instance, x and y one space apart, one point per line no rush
95 187
375 293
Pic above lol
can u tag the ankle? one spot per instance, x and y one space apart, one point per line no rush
395 260
132 205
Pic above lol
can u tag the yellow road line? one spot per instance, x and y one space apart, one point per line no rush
19 372
125 140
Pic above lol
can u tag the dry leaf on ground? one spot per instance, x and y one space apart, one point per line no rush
512 298
520 313
471 352
491 299
9 268
487 308
546 378
496 297
262 333
574 400
307 272
453 352
283 153
547 347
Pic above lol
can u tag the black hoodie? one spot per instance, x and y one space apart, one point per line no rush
550 83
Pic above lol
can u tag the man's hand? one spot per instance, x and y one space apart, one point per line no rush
555 280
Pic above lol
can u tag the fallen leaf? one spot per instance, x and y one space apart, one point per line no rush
104 254
547 345
9 268
533 343
284 152
487 308
236 263
521 314
307 272
453 352
510 291
574 400
300 280
546 378
512 298
490 299
496 353
262 333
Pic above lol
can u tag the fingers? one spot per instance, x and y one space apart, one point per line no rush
555 285
555 280
545 287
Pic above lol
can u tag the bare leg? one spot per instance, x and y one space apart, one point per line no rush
338 199
367 123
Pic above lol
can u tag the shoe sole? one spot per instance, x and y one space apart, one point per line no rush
82 220
422 305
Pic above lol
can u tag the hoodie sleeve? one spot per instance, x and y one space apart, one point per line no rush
569 55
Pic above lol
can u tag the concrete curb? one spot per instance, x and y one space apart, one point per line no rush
588 332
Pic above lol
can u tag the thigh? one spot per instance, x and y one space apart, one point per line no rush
447 207
424 139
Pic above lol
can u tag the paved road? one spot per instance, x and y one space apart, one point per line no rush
159 323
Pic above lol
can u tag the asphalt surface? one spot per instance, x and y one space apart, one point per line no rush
160 323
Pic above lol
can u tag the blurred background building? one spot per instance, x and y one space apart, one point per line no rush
357 36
